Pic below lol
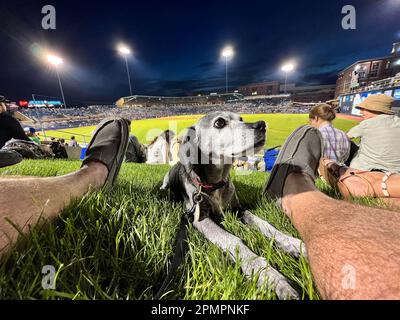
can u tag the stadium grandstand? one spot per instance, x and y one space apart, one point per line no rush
199 100
146 107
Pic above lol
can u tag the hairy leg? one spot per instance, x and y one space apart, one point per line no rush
24 200
251 263
354 251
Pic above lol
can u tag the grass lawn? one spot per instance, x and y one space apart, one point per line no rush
279 126
117 245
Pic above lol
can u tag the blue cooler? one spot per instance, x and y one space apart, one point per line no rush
270 156
83 153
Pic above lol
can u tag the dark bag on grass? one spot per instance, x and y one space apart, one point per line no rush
27 149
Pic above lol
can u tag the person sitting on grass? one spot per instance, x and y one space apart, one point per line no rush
31 134
24 201
158 151
10 128
336 142
58 149
353 250
73 142
377 161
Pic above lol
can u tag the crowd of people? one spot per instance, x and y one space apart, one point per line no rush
60 118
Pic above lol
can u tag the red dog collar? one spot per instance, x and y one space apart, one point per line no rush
210 187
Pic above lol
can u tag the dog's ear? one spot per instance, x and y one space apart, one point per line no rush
189 149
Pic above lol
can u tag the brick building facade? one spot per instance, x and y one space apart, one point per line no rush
362 73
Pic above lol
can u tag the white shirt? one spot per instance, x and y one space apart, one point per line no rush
157 153
380 144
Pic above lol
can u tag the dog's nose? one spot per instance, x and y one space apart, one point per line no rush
260 125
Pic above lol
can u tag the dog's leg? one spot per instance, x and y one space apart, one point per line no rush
290 245
251 263
166 182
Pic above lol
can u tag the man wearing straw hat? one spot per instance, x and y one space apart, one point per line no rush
379 133
375 169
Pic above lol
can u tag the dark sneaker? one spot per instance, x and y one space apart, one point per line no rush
108 146
301 152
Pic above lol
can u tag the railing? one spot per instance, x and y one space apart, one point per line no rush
70 133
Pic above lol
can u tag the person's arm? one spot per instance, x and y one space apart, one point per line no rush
16 130
355 132
164 151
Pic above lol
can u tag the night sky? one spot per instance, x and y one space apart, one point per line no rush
177 44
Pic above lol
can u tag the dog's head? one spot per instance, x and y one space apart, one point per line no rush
222 137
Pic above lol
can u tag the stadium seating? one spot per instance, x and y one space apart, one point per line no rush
60 118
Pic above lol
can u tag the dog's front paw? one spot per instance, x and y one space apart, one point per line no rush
273 279
293 247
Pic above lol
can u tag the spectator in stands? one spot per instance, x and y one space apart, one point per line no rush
73 142
158 151
336 142
9 129
377 162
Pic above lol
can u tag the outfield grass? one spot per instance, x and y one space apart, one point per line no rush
279 126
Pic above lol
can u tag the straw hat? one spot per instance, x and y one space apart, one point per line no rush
378 103
334 102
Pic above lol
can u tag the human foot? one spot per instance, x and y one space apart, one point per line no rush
301 153
108 146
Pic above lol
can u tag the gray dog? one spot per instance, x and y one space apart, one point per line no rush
206 155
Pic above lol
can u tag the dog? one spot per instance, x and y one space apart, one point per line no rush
206 155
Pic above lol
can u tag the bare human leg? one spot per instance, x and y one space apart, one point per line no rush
354 251
23 201
357 183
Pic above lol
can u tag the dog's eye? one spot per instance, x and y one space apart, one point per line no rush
220 123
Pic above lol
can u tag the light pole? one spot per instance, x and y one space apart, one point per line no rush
287 67
56 61
125 52
227 53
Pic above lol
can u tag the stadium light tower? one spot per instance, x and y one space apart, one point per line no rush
125 52
56 61
287 67
227 53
